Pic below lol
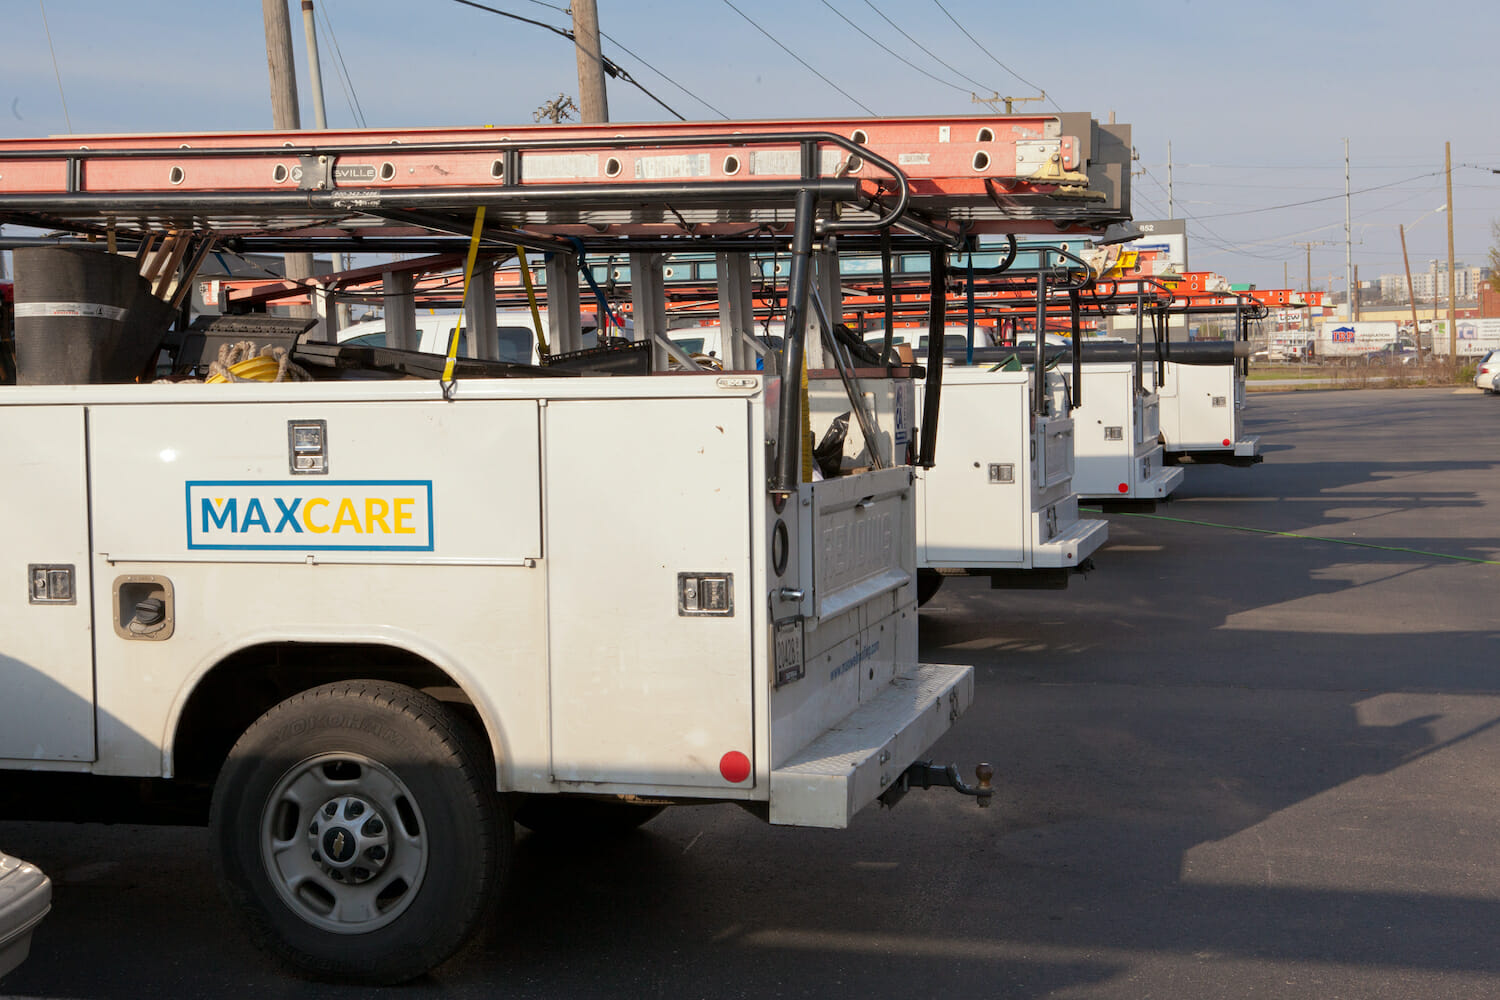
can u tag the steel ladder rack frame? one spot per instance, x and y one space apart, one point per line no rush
639 180
143 185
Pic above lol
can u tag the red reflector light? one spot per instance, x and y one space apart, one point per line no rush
1227 442
734 766
1124 488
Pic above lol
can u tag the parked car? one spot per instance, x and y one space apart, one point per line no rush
1393 354
25 898
1485 372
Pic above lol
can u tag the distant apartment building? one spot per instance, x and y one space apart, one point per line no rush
1466 282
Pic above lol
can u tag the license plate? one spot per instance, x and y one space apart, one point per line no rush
789 653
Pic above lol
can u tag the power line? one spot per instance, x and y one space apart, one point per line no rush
993 59
638 58
795 56
345 80
611 67
1210 236
55 71
1331 197
643 62
919 45
856 27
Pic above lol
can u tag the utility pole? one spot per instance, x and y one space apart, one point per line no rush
1416 328
284 113
593 103
1452 319
1433 266
320 115
1170 203
1349 289
1009 101
314 70
1307 293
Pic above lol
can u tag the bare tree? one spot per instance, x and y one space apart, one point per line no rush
555 111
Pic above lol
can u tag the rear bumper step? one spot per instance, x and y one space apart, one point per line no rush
1072 547
853 763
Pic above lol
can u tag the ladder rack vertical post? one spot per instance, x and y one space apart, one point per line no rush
1140 333
831 294
1039 366
788 472
482 339
937 322
736 309
648 297
563 331
1074 308
398 289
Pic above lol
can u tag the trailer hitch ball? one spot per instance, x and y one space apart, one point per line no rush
926 774
985 792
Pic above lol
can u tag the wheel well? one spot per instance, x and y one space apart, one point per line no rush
246 684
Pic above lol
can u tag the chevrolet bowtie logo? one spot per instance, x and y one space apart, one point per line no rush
338 845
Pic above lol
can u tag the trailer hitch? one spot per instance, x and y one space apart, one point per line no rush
926 774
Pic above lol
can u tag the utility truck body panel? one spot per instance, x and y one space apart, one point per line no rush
1117 452
1201 411
1001 494
999 500
587 558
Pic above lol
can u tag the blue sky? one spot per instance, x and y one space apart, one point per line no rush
1255 99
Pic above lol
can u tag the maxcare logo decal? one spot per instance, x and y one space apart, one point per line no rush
355 515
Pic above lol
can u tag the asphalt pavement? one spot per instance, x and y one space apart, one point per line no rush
1253 754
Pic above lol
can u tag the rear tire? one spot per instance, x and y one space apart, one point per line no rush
358 834
928 582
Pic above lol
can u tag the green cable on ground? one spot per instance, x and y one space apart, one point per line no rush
1293 534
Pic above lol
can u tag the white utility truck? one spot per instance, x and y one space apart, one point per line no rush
1117 451
1201 411
1200 394
998 501
381 616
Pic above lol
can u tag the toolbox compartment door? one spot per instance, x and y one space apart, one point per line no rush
650 687
47 666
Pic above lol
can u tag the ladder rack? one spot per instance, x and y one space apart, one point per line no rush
941 179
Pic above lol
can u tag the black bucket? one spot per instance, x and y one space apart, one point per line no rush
84 316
